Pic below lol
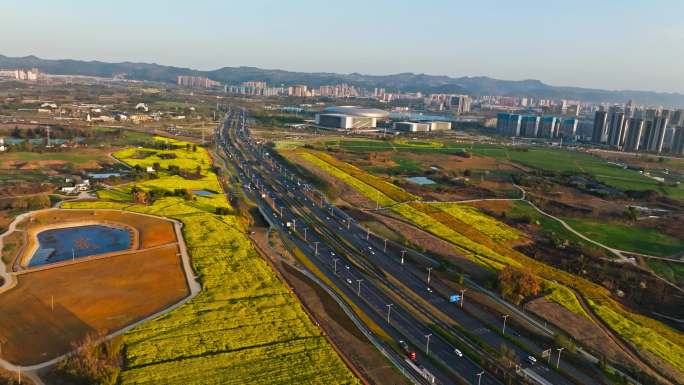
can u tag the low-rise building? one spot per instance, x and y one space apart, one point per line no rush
411 126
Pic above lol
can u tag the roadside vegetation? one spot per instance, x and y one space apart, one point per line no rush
645 333
245 326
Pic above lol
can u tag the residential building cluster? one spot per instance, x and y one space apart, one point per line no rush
457 104
31 75
535 126
197 82
633 129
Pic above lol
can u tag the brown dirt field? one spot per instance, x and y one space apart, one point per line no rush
580 329
11 246
11 378
97 295
497 207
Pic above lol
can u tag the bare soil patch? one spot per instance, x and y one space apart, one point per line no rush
50 309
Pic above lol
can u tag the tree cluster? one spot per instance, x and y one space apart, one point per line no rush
518 285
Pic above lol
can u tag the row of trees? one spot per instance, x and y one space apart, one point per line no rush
147 197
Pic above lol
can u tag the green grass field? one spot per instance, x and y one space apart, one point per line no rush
404 166
673 272
629 238
244 327
74 157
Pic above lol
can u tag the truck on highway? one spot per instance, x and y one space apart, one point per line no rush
410 354
422 371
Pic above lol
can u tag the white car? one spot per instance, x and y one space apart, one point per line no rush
531 360
458 353
349 281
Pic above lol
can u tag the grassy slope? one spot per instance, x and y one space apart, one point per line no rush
629 238
244 327
644 332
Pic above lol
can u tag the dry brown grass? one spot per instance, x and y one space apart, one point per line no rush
99 295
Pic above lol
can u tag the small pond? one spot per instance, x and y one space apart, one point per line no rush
103 175
58 245
204 193
421 180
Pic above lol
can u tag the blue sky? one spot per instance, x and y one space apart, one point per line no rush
613 44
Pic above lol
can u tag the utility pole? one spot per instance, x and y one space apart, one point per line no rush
427 344
559 354
359 290
403 252
389 310
429 269
505 317
462 297
479 377
335 264
316 245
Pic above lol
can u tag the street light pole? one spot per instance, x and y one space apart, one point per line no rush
505 317
559 354
359 290
479 377
429 269
316 244
305 229
281 211
367 234
384 250
427 344
294 225
389 310
403 252
462 297
335 264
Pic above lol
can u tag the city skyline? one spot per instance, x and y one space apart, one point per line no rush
558 44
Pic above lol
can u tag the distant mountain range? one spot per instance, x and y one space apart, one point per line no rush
480 85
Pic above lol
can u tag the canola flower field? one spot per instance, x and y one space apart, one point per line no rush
479 244
245 326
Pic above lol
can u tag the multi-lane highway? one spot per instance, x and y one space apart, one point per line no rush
406 301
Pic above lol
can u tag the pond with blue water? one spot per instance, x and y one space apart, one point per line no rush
421 180
204 193
62 244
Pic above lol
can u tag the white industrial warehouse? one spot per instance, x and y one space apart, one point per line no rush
361 119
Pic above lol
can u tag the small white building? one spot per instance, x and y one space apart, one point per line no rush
69 189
